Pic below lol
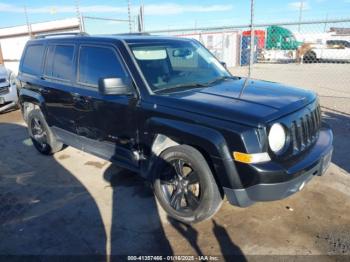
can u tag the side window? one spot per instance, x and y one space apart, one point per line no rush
59 61
32 59
49 60
98 62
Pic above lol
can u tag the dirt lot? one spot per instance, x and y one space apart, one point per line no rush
77 204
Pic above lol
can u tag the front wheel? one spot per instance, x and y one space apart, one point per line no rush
310 57
185 186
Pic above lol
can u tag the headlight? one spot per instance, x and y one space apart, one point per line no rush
12 79
277 138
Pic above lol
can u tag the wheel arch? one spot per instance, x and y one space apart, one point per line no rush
209 142
30 100
316 52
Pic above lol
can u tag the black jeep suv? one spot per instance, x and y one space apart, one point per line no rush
168 109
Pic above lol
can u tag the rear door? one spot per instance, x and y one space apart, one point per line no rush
106 123
31 67
58 75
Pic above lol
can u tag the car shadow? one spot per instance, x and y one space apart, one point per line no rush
340 124
137 228
44 209
136 225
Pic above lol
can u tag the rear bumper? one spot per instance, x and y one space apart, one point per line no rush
314 163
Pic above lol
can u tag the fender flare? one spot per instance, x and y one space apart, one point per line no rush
29 96
174 132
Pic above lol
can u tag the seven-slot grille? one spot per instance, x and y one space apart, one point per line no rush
304 131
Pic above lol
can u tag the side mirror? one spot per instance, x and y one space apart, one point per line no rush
114 86
223 64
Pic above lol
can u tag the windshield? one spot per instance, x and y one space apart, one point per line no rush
176 64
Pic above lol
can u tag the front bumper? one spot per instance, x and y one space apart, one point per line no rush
8 96
315 162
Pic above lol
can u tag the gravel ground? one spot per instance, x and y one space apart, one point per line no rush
77 204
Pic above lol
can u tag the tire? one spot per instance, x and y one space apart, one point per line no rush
185 186
40 133
310 57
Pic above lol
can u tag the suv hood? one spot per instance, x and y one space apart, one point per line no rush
260 102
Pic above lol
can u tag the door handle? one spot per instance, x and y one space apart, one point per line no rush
76 97
79 98
44 91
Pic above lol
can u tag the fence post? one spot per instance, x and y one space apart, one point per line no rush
252 38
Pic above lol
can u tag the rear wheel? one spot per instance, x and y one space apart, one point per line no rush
310 57
185 186
41 135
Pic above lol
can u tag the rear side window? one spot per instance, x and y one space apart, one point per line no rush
59 61
98 62
32 59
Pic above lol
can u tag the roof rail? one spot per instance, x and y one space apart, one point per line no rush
61 34
140 33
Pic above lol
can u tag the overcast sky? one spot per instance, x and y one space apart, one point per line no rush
172 14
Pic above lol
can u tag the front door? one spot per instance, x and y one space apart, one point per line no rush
107 124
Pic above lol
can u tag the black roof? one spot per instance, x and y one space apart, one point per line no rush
129 38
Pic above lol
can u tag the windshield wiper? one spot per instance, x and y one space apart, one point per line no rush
195 84
179 86
218 79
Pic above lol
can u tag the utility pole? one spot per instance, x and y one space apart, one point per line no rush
142 15
301 7
129 15
79 17
325 24
29 27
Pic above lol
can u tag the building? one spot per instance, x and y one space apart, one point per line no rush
13 39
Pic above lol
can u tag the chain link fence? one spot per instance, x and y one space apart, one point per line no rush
313 55
106 25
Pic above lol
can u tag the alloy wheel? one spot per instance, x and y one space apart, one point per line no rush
181 186
39 133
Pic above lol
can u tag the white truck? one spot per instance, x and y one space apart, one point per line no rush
332 51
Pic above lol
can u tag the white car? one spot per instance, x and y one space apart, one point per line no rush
8 89
333 51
